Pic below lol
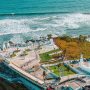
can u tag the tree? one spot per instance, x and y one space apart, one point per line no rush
66 38
82 38
49 36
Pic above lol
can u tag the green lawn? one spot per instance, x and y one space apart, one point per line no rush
46 57
61 70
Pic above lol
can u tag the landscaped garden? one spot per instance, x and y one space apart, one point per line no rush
60 70
45 57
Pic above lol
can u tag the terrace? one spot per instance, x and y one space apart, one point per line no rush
25 61
74 83
19 56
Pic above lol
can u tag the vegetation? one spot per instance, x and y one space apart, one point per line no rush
73 47
12 55
16 51
61 70
49 36
46 57
27 49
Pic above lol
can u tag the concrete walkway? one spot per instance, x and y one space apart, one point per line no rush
26 74
65 78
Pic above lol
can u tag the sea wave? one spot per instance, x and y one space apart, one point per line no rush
34 13
45 24
40 13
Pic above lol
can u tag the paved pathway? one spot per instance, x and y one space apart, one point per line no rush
26 74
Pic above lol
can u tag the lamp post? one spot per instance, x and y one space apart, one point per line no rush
44 74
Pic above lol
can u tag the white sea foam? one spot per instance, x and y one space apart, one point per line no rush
53 24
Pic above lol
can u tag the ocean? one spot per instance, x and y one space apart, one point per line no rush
21 20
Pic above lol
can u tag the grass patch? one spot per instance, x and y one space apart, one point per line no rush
16 51
61 70
46 57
